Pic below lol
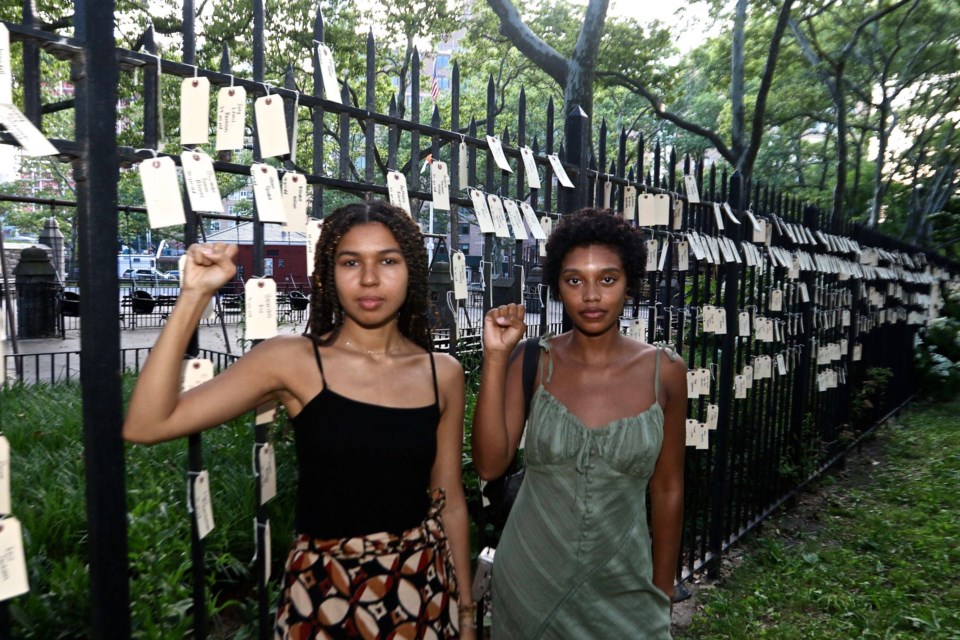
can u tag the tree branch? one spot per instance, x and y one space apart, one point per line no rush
528 43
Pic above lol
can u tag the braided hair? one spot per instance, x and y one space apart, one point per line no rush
326 314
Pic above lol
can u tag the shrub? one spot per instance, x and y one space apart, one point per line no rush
937 352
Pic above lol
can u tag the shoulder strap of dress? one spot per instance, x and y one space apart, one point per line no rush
316 353
656 376
436 387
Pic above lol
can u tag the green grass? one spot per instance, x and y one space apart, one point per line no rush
875 555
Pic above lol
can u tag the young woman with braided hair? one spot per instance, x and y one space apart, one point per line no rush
382 537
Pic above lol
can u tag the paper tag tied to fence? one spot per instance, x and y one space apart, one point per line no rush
314 227
267 555
440 185
295 192
651 246
661 209
201 181
646 210
260 308
607 194
739 387
5 507
194 111
13 560
516 220
743 324
496 149
271 126
776 300
161 192
630 203
194 372
458 267
397 191
530 217
267 193
328 73
231 118
690 183
637 329
530 167
267 471
693 386
559 171
201 503
683 256
484 221
462 165
546 225
691 437
677 214
495 205
713 416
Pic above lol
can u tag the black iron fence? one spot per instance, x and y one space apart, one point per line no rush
781 312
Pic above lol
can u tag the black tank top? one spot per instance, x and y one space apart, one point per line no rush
363 468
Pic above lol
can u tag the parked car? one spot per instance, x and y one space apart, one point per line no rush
148 274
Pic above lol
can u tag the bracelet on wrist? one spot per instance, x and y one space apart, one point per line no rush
468 611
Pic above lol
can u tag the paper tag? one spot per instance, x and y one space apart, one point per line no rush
265 413
314 227
496 148
30 139
484 221
690 183
804 293
748 376
440 185
661 209
857 352
271 126
713 416
753 220
260 309
646 210
703 381
266 193
499 219
397 191
462 173
703 437
721 321
267 556
677 214
516 220
846 318
693 386
530 167
5 507
630 203
718 216
231 118
651 256
637 329
559 171
683 256
663 256
267 467
692 435
530 216
743 324
696 246
161 192
194 111
13 560
194 372
202 505
458 266
201 181
739 387
760 231
607 194
294 187
776 300
781 364
328 73
730 216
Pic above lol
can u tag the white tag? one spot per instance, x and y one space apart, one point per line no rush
13 560
690 183
459 267
857 352
462 165
161 192
781 364
271 126
776 300
266 193
440 185
846 318
194 372
646 210
530 216
718 216
677 214
267 555
721 321
691 427
516 220
651 256
630 203
698 252
709 319
703 436
231 118
194 111
314 227
202 505
704 381
661 209
6 75
729 254
753 220
559 171
693 386
844 346
201 181
499 219
267 464
5 507
739 387
397 191
530 167
743 322
760 231
748 375
804 293
294 187
727 210
496 148
31 141
328 73
484 221
260 310
663 256
713 415
683 256
637 329
607 194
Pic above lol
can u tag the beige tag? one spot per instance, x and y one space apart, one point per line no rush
260 311
530 216
458 266
462 168
743 322
760 231
484 221
677 214
713 416
776 300
781 364
516 220
546 224
201 181
721 322
718 216
13 560
397 191
727 210
201 504
231 118
753 221
6 75
748 375
703 437
844 346
496 148
690 183
295 195
663 256
266 413
313 236
440 185
704 381
194 111
559 171
683 256
630 203
661 209
857 352
646 211
709 319
4 475
267 466
651 256
530 167
739 387
161 192
194 372
607 194
499 218
328 73
693 386
691 428
271 126
267 553
266 193
32 142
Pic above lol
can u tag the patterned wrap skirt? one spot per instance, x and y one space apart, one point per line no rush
382 585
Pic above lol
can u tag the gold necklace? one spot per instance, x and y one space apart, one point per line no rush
371 352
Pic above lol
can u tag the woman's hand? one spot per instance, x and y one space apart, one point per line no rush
208 267
504 328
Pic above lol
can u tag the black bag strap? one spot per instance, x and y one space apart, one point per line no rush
531 355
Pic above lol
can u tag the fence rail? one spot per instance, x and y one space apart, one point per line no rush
782 312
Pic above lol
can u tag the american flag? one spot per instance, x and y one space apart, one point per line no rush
434 85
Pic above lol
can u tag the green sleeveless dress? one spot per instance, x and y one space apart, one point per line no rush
574 561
